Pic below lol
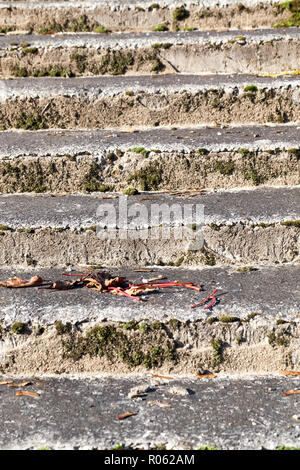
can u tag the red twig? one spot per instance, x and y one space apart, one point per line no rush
211 296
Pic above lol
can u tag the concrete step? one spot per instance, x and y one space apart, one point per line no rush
258 51
162 158
173 99
253 327
228 412
142 16
233 227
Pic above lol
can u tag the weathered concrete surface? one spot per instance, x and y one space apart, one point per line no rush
229 412
124 16
260 226
174 99
173 159
259 51
272 291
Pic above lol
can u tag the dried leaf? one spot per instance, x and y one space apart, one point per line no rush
159 403
162 377
5 382
24 393
17 282
206 376
289 372
21 384
291 392
61 285
115 282
126 415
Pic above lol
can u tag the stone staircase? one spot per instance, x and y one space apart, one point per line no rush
107 106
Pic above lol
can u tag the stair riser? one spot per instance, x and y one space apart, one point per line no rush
228 245
182 349
87 17
147 109
158 171
230 57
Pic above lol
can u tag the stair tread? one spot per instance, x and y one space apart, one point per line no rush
271 291
96 141
244 411
250 206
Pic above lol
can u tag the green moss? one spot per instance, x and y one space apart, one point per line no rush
30 50
61 328
116 63
215 227
208 257
19 72
160 27
4 227
80 61
253 175
180 14
130 325
212 320
113 343
173 323
229 319
157 66
140 150
225 168
148 178
294 7
157 325
130 191
252 315
154 6
252 88
279 339
102 29
30 122
291 223
287 448
217 347
207 448
129 93
18 328
202 151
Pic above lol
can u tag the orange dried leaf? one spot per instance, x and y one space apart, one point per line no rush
21 384
289 372
24 393
206 376
162 377
115 282
60 285
5 382
17 282
291 392
125 415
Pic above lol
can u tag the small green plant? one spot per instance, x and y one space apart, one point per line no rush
62 328
291 223
160 27
216 345
180 14
229 319
30 122
130 191
140 150
252 88
154 6
102 29
18 328
30 50
207 448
